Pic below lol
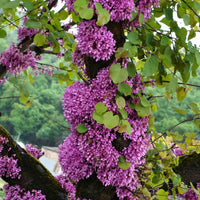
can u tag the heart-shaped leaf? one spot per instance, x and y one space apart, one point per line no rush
81 128
123 164
109 120
117 73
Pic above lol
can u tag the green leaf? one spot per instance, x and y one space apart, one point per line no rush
182 112
197 5
186 19
151 122
56 47
180 93
9 4
164 41
181 11
146 192
81 128
100 108
63 15
192 186
125 126
3 33
134 14
141 18
132 50
68 56
151 66
123 113
121 52
39 40
144 102
24 91
81 6
153 107
98 117
33 23
162 194
192 34
120 102
125 89
28 5
109 120
194 107
171 88
103 15
150 41
133 37
168 13
30 78
23 99
123 164
142 111
117 73
196 122
182 189
197 55
131 69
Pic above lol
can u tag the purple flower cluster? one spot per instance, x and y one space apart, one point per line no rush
9 168
24 31
34 151
68 186
16 61
8 165
190 194
83 154
94 41
144 7
119 9
16 193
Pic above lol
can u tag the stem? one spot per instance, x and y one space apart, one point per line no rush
191 8
186 120
66 128
9 97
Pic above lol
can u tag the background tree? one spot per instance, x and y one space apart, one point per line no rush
120 48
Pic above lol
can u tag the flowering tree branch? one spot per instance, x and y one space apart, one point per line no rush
33 174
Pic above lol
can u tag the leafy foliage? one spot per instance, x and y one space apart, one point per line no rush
155 47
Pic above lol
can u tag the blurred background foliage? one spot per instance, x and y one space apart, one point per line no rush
41 120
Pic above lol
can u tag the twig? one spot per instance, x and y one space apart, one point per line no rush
9 97
180 83
186 120
190 8
68 129
85 81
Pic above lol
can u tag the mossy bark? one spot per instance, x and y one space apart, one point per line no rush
33 174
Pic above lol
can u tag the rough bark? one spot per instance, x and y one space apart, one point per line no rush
33 174
189 168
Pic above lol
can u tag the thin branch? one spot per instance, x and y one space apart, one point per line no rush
85 81
147 51
186 120
9 97
191 8
172 147
66 128
188 84
158 32
180 83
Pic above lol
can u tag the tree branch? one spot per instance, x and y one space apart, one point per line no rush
33 174
186 120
